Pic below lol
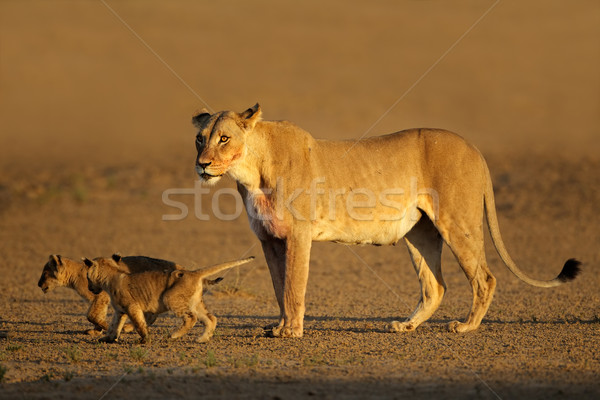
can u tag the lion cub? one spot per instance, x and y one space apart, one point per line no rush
64 272
155 292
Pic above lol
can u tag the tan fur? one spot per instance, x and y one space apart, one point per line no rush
153 293
64 272
425 186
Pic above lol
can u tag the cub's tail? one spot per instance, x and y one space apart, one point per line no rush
211 281
220 267
569 271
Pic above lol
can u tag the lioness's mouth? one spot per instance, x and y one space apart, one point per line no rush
207 176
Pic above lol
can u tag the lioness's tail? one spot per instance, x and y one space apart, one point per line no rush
570 269
220 267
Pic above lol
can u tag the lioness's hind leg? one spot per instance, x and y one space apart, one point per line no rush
425 247
470 253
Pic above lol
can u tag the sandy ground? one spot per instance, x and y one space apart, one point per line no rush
94 127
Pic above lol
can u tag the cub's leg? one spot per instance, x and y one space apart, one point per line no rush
424 244
183 308
467 246
136 315
189 320
274 250
96 313
150 318
209 321
114 330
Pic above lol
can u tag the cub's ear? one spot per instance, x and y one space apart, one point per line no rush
177 274
250 117
116 257
200 118
88 263
55 260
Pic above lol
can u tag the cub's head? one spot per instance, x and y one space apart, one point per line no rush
94 275
114 261
54 273
221 141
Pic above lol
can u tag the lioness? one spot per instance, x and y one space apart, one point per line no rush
61 271
427 186
155 292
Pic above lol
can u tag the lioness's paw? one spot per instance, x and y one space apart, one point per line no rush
460 327
285 331
397 326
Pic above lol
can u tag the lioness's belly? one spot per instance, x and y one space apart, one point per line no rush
377 232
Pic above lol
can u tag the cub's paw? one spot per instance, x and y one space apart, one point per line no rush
406 326
270 327
127 328
204 338
145 340
107 339
93 332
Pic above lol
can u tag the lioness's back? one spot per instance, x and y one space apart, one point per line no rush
413 153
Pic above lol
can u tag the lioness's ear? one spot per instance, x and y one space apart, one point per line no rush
116 257
88 263
250 117
200 119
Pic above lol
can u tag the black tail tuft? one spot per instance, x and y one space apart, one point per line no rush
570 270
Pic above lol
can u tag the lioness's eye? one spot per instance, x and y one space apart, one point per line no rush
224 139
199 139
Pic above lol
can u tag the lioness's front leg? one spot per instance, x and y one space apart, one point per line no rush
274 250
297 258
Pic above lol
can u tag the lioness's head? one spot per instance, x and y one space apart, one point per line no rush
221 140
53 274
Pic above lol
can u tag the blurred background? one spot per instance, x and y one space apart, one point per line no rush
96 101
78 85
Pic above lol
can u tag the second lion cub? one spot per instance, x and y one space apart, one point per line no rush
155 292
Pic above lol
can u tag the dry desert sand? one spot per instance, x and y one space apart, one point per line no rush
95 105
